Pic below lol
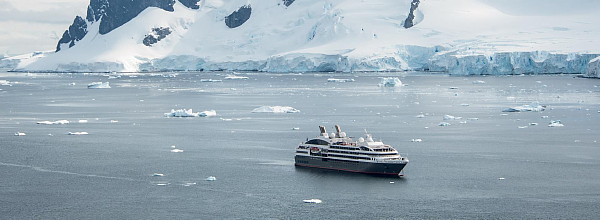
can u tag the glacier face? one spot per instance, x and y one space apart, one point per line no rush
459 37
593 68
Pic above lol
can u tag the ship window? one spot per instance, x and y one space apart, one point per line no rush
317 142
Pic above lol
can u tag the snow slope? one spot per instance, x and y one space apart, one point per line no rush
458 36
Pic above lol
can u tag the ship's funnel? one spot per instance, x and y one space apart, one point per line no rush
322 130
338 129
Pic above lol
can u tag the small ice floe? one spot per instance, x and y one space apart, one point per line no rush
211 178
114 121
533 123
275 109
450 117
472 119
444 124
175 150
390 82
158 174
416 140
211 80
208 113
555 123
312 201
5 83
295 128
182 113
99 85
465 104
59 122
82 121
545 116
420 116
392 182
20 134
478 82
163 184
463 122
78 133
526 108
188 184
522 127
339 80
235 77
501 178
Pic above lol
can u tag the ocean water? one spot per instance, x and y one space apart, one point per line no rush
488 164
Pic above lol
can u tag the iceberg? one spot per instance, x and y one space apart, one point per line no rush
312 201
60 122
182 113
339 80
390 82
211 178
275 109
99 85
78 133
526 108
556 123
593 68
208 113
444 124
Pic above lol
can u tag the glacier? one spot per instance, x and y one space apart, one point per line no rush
461 37
593 68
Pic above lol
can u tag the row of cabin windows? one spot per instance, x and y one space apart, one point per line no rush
351 157
360 153
302 152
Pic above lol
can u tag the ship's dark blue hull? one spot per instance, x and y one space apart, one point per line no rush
350 166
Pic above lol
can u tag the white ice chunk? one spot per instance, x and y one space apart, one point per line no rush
235 77
182 113
526 108
83 121
416 140
450 117
339 80
211 178
208 113
478 82
99 85
420 116
443 124
78 133
312 201
390 82
158 174
53 122
275 109
556 123
211 80
20 134
175 150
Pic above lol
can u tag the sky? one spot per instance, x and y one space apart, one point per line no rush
35 25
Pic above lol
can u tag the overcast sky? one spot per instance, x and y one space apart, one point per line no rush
35 25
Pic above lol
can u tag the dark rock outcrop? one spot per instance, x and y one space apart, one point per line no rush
156 35
288 2
76 32
114 13
409 22
239 17
193 4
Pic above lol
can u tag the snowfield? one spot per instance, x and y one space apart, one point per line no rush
459 37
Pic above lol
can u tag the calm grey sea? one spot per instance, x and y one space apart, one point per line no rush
488 164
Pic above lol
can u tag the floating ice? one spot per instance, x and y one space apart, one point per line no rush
420 116
526 108
211 178
533 123
450 117
522 126
295 128
464 104
390 82
211 80
59 122
208 113
472 119
20 134
176 150
443 124
501 178
182 113
83 121
99 85
478 82
235 77
555 123
312 201
114 121
416 140
5 83
158 174
78 133
275 109
189 184
339 80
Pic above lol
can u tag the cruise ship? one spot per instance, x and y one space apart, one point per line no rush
336 151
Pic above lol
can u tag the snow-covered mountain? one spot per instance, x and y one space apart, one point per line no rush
457 36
